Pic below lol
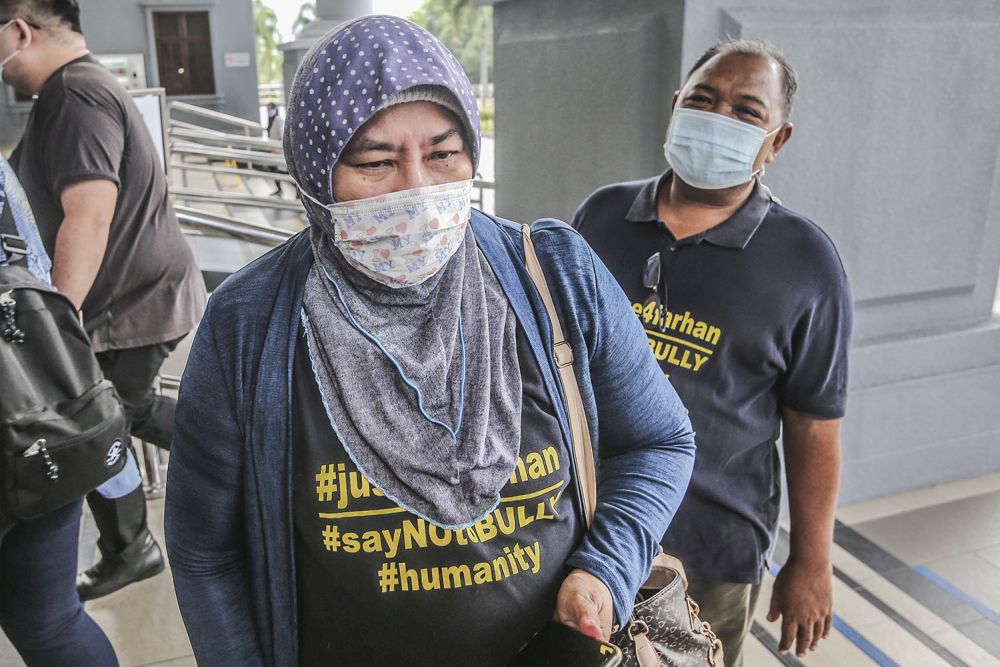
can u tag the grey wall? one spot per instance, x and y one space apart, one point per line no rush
895 154
123 26
894 110
583 93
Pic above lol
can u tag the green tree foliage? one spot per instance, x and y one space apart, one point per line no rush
459 24
269 57
307 12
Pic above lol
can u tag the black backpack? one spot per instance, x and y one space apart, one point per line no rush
63 431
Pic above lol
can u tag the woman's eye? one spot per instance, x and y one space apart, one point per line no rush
373 165
442 155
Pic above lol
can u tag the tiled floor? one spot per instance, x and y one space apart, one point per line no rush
918 580
143 621
918 583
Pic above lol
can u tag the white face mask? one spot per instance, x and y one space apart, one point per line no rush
711 151
11 56
402 238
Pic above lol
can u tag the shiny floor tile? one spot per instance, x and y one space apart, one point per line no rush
143 620
957 527
900 646
755 654
914 500
971 653
990 554
973 573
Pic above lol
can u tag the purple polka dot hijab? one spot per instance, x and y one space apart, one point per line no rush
348 76
422 384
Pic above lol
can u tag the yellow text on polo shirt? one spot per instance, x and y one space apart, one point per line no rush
678 339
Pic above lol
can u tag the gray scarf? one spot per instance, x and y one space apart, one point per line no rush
421 384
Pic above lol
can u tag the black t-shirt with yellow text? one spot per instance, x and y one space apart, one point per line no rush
378 585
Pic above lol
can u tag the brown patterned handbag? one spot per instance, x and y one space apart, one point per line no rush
664 628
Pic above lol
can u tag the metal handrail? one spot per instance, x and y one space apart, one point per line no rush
235 171
169 381
188 148
194 126
154 458
257 226
236 198
223 139
218 116
233 227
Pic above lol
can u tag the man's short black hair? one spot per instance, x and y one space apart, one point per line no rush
50 14
760 48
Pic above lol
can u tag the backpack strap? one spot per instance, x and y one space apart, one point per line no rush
12 246
19 236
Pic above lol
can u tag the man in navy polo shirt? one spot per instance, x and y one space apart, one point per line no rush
747 308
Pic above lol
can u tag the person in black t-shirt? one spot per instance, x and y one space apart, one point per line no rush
99 192
747 308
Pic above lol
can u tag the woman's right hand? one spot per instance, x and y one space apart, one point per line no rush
585 604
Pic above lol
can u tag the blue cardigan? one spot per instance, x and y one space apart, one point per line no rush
229 508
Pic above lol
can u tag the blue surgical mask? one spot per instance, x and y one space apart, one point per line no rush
711 151
11 56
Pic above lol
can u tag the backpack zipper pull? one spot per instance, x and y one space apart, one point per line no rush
10 332
38 447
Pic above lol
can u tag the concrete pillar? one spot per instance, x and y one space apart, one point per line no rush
895 155
329 14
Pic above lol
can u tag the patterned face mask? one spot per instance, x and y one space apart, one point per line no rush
402 238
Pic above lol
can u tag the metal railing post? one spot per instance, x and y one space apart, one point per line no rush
156 459
155 485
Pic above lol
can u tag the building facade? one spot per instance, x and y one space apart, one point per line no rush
200 51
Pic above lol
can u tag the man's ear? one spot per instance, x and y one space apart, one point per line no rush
24 35
780 139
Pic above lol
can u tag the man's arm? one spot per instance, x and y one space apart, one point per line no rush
802 594
89 207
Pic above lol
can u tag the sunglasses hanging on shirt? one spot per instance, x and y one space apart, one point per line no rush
658 291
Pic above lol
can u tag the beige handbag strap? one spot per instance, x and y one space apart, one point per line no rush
583 451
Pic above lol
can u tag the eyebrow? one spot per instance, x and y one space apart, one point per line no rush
753 98
363 145
444 136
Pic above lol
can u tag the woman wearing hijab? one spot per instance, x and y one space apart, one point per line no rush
372 462
40 611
